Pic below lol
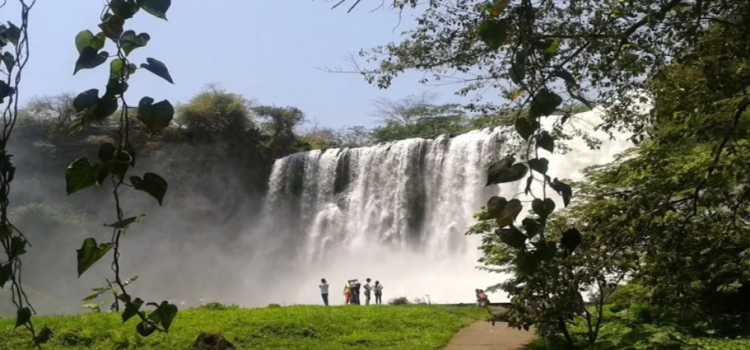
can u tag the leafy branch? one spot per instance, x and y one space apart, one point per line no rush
116 160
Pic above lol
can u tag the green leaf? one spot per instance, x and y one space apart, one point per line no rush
12 33
514 173
6 270
618 308
157 67
86 38
131 309
529 181
112 26
512 237
129 41
106 106
570 240
44 335
526 127
563 190
546 142
5 232
152 184
9 60
86 99
509 213
23 316
145 328
495 206
90 253
5 90
498 167
80 175
157 8
164 314
156 116
552 49
543 208
532 227
115 87
540 165
124 9
518 68
107 152
17 246
89 59
493 32
116 69
545 103
124 223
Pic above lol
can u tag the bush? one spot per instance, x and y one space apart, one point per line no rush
399 301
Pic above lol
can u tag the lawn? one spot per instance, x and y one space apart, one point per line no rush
294 327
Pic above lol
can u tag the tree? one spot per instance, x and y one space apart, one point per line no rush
405 111
279 123
215 114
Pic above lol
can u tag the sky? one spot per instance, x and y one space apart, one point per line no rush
267 50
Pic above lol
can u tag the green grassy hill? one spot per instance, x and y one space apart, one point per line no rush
415 327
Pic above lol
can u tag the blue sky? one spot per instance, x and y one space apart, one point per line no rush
268 50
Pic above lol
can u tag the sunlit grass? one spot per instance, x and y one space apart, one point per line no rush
295 327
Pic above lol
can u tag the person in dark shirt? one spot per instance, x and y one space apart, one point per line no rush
355 292
368 290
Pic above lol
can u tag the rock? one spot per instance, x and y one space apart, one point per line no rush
212 341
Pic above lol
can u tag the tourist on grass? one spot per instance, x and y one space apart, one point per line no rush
347 294
355 292
324 290
378 288
368 288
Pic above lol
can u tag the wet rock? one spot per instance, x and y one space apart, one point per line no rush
212 341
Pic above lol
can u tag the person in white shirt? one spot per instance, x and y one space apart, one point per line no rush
324 290
368 289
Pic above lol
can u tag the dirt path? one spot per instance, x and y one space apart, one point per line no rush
484 336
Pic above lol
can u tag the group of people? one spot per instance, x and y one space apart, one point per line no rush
352 292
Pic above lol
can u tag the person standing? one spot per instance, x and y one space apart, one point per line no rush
347 294
324 290
378 288
368 289
355 292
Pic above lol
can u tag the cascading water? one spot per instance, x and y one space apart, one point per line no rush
395 212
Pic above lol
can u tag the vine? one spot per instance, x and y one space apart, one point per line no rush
13 240
116 160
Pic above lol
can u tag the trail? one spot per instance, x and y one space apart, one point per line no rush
484 336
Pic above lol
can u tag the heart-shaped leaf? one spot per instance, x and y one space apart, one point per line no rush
89 59
493 32
543 208
80 175
526 127
23 316
130 41
546 142
86 38
90 253
156 116
112 27
539 165
515 173
124 9
145 328
86 99
545 103
157 67
509 213
9 60
157 8
131 309
570 240
563 190
152 184
512 237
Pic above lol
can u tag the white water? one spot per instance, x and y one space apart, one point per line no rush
397 213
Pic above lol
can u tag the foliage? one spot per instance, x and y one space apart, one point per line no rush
109 288
293 327
116 159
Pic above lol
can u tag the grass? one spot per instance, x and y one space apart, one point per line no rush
294 327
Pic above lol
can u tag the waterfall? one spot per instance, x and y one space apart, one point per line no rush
395 212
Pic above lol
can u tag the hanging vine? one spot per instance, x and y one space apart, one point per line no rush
14 46
115 160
